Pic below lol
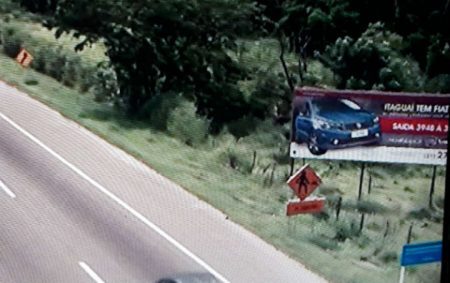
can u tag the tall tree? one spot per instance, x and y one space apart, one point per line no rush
372 61
161 46
40 6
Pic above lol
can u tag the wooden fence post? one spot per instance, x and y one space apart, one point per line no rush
338 208
361 179
433 179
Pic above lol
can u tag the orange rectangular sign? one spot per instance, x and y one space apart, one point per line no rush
304 182
307 206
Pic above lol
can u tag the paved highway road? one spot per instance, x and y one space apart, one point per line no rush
73 208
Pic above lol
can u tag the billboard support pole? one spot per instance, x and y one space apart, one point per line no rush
408 240
291 138
291 171
445 264
402 274
433 178
361 179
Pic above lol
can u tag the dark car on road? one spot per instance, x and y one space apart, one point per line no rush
324 123
190 278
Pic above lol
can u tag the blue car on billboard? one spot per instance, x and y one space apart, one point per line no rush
325 123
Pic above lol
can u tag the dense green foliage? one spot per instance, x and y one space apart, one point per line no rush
242 170
40 6
421 22
354 47
373 62
157 47
192 48
59 62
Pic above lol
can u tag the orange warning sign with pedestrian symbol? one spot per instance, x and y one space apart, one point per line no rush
304 182
24 58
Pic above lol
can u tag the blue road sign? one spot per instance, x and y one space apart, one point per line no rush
421 253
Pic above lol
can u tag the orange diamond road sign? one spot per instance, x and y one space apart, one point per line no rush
310 205
304 182
24 58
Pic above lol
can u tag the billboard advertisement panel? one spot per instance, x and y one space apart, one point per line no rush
370 126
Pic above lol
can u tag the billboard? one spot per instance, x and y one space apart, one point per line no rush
370 126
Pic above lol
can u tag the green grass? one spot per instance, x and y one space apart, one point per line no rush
35 35
256 206
250 199
42 35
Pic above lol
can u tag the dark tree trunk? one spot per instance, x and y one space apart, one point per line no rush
283 63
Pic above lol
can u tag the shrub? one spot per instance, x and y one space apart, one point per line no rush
329 190
268 134
56 62
323 242
426 213
332 200
271 96
346 230
282 199
439 202
370 207
8 6
388 256
71 71
243 127
40 61
50 58
157 110
86 81
323 215
31 81
12 46
420 213
238 160
184 124
408 189
374 226
281 156
12 41
104 82
440 83
363 242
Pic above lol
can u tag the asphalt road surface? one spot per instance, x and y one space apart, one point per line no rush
74 208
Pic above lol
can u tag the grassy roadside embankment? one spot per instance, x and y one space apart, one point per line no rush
255 196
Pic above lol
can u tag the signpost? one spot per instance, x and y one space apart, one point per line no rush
420 253
303 183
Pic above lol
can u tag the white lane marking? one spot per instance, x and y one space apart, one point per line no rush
90 272
120 202
7 190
